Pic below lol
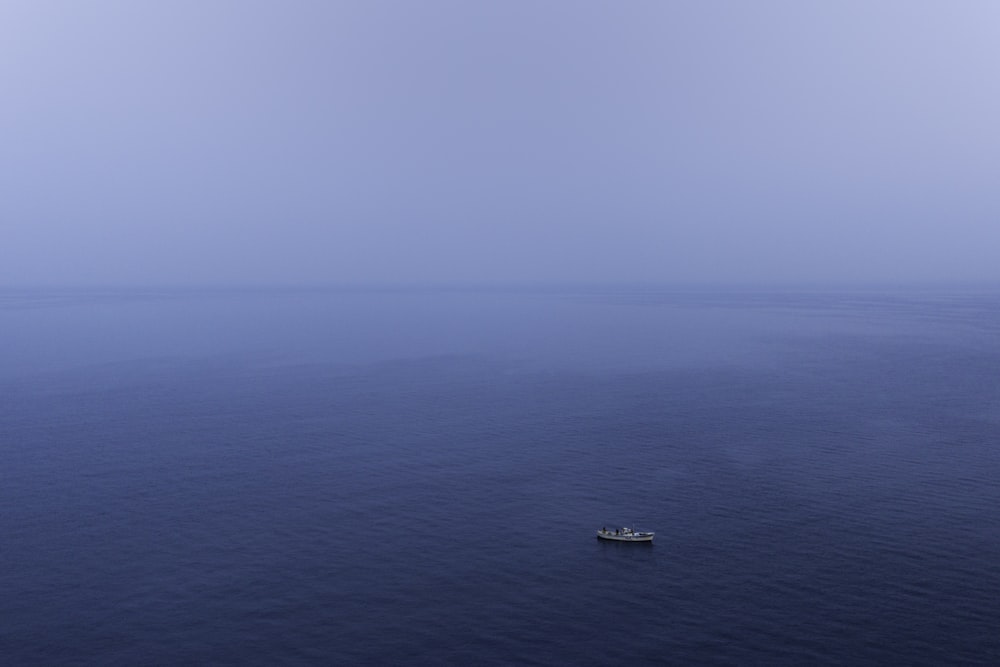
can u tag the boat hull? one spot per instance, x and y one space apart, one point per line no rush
627 537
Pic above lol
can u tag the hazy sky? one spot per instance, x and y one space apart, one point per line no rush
189 141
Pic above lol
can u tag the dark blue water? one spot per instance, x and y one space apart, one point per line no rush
391 477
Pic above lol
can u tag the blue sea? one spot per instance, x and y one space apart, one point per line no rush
415 477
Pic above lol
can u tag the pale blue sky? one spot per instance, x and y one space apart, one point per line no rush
217 141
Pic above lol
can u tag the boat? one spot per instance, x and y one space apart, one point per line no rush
624 535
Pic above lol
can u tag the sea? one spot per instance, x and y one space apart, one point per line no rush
402 476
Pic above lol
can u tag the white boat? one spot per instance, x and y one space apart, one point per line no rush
624 535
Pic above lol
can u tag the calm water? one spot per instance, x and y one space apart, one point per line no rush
391 477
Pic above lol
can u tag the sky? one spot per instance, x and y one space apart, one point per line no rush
371 142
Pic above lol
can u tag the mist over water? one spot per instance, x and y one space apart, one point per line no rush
624 328
415 476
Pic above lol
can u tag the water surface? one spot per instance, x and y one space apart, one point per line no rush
415 477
